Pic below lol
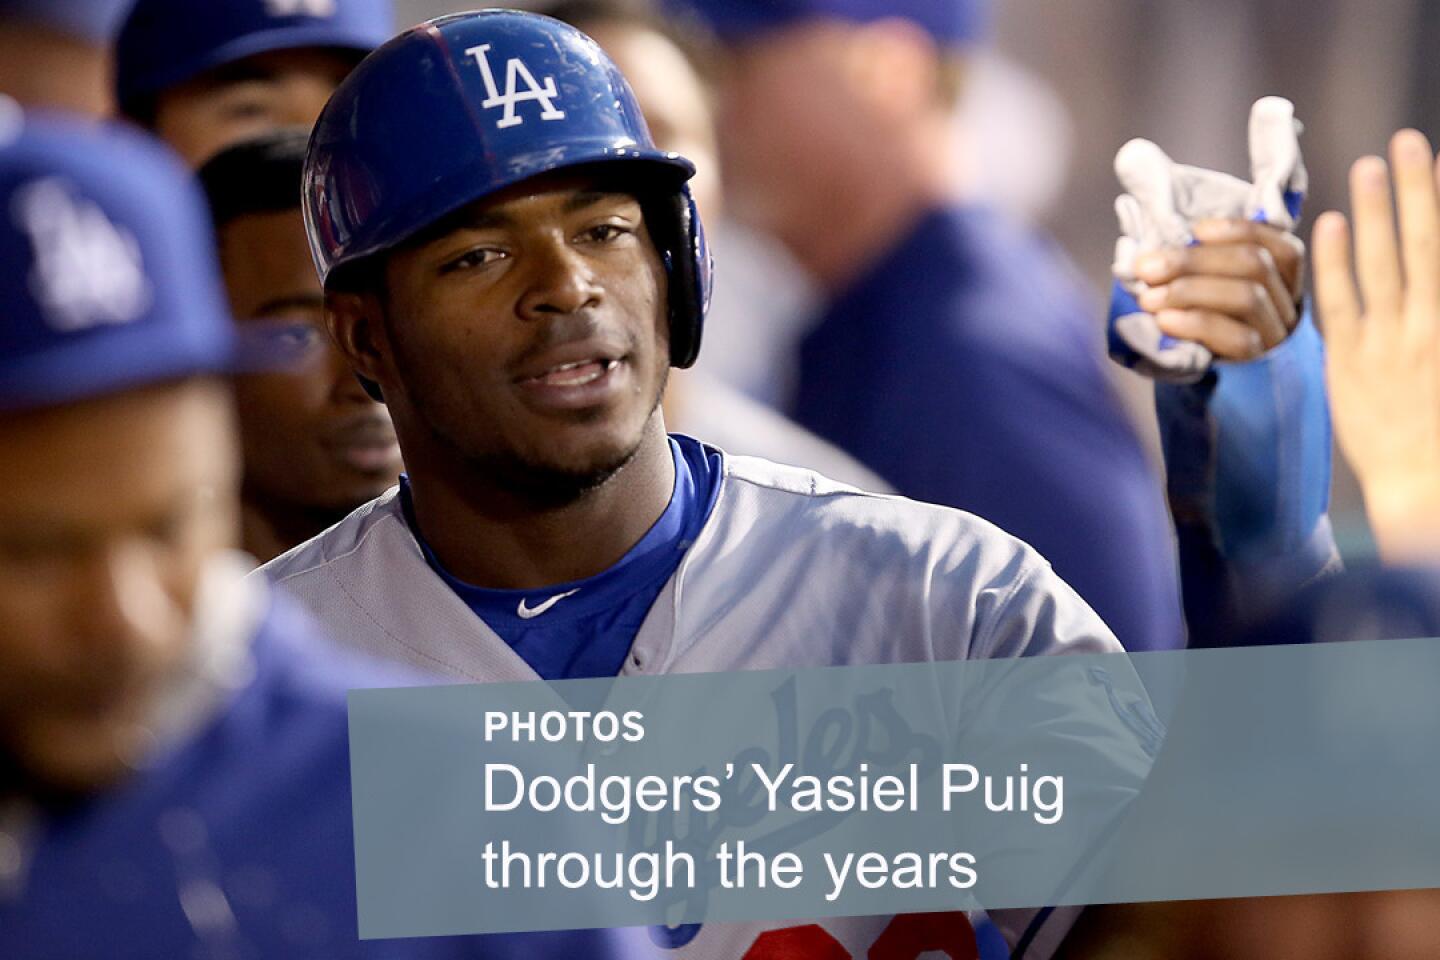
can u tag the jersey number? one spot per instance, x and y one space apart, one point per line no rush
907 937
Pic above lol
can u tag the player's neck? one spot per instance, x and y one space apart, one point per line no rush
492 539
42 68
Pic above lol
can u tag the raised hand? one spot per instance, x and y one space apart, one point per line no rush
1383 343
1207 266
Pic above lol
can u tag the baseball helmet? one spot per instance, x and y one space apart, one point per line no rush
468 105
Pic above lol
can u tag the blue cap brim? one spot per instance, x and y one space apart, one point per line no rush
315 36
111 364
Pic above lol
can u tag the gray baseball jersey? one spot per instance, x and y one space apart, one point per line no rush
790 570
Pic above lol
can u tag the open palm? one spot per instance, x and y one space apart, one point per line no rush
1383 343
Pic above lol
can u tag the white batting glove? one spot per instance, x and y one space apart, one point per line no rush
1162 203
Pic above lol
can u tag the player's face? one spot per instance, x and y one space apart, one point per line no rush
530 336
246 99
784 104
110 509
311 438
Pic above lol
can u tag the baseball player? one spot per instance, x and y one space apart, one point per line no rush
314 445
174 777
513 267
55 54
1251 496
203 76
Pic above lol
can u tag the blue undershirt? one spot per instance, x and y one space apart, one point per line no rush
585 628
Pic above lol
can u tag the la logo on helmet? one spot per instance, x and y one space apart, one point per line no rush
515 72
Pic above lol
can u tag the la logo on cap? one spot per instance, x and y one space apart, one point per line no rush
87 271
300 8
516 72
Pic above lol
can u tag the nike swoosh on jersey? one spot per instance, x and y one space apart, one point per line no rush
528 613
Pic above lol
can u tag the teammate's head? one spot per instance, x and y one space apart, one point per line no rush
825 100
315 446
119 469
55 54
204 76
505 252
669 64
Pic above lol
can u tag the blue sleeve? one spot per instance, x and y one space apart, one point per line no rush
1247 454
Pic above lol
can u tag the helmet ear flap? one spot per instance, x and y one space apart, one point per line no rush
371 388
689 269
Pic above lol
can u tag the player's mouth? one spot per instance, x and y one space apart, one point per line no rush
576 374
365 444
574 382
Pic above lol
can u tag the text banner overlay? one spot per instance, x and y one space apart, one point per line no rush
896 789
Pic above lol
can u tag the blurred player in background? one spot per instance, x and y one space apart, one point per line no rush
174 760
203 76
955 355
55 54
668 69
525 270
314 445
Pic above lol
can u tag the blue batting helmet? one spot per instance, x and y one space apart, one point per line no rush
465 106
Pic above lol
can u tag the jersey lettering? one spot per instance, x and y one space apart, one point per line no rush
515 73
87 271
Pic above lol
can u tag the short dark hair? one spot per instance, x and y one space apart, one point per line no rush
260 175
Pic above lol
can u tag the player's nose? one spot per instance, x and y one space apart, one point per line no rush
559 280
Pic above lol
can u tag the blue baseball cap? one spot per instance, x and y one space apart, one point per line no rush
951 22
96 21
108 276
166 42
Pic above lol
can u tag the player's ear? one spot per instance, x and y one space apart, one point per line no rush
354 322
